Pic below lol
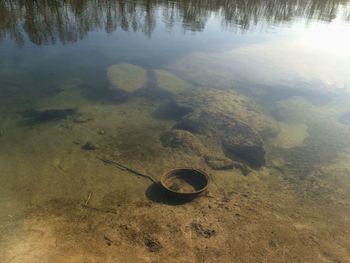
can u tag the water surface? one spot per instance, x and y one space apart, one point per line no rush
118 80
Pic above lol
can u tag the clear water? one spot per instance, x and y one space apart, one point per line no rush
82 81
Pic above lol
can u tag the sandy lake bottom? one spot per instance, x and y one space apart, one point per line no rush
60 203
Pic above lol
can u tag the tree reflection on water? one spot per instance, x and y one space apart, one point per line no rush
46 22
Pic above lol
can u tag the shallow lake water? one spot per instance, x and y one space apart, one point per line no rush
254 93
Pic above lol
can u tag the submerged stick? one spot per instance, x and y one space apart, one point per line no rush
88 199
102 210
124 168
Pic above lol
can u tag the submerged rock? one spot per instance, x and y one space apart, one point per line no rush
243 168
170 111
230 103
223 163
225 122
126 77
171 83
238 140
180 139
207 68
219 163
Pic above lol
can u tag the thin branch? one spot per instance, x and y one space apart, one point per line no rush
124 168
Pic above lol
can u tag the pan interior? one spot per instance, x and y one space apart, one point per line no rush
185 181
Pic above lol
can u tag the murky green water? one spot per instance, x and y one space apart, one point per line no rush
255 93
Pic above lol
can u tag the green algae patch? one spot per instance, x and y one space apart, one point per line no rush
126 77
171 83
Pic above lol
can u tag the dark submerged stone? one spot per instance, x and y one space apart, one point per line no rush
238 140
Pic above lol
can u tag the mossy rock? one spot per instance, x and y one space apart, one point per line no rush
183 140
238 140
229 102
126 77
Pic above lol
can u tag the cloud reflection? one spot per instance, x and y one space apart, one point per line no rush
314 58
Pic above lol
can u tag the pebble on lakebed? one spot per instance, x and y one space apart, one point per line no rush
88 146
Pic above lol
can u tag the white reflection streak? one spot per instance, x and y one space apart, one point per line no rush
317 54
